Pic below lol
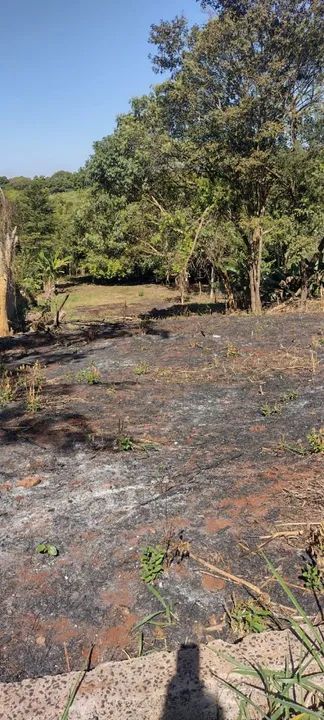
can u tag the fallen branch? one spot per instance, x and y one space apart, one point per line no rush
280 534
232 578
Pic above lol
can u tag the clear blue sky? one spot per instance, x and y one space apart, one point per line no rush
67 68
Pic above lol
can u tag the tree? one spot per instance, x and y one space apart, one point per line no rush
8 242
61 181
36 223
37 215
67 207
240 90
295 248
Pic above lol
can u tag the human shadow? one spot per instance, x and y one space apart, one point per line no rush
187 697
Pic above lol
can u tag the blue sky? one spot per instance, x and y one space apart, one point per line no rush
68 67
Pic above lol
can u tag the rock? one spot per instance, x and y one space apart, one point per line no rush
183 685
30 481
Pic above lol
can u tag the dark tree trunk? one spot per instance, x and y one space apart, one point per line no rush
228 290
304 282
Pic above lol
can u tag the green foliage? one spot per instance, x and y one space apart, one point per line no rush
51 265
311 576
289 396
142 368
166 615
7 387
152 561
47 549
267 409
294 690
216 174
276 408
125 443
316 440
247 616
90 375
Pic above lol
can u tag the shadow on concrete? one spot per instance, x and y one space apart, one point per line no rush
186 696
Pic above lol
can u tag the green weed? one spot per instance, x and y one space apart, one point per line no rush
313 572
289 396
248 616
142 369
268 409
316 440
276 408
152 561
231 350
7 388
75 688
296 690
90 375
47 549
125 443
165 614
311 577
295 447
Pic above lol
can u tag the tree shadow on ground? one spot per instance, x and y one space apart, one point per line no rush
33 346
54 427
185 310
186 696
46 429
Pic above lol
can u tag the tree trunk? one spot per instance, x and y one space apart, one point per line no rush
255 270
229 295
4 320
8 241
182 282
212 284
304 282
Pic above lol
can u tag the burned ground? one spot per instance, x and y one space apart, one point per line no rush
188 390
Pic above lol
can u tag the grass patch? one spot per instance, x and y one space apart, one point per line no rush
7 388
90 375
316 440
83 299
294 691
142 369
248 616
267 409
315 445
32 379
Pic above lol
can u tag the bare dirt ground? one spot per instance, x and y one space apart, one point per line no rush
205 462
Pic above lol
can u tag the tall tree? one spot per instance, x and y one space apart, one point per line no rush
240 89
